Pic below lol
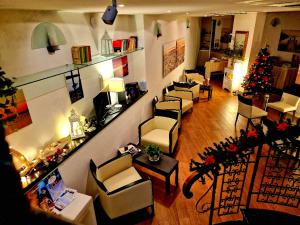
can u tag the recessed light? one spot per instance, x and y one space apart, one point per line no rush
169 11
121 5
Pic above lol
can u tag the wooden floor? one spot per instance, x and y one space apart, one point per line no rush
211 121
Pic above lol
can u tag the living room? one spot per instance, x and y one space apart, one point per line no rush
156 27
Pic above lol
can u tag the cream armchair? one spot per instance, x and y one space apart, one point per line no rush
195 88
185 96
121 188
288 103
161 131
195 77
168 108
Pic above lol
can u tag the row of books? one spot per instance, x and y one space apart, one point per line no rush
81 54
122 45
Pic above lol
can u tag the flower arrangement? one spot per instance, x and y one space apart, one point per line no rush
154 152
226 153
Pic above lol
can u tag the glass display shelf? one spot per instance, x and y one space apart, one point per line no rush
42 168
54 72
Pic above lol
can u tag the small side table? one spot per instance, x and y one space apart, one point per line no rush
207 88
165 166
80 210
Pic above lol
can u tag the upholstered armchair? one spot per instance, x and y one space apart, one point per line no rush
287 103
168 108
186 97
195 88
161 131
195 77
121 188
246 109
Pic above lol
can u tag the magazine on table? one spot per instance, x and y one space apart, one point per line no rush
51 194
133 150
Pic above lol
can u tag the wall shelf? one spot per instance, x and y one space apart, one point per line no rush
41 171
61 70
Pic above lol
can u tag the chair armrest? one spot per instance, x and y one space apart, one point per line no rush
173 137
145 127
183 94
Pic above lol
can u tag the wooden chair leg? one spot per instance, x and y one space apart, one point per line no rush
237 116
293 117
248 124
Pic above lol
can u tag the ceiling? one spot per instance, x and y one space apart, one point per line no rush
192 7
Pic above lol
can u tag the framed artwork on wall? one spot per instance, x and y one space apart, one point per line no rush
17 115
240 44
169 57
74 86
180 47
120 66
289 41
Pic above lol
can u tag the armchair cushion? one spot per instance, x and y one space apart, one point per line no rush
159 137
122 179
113 167
282 106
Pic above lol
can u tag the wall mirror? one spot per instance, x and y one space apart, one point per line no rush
240 44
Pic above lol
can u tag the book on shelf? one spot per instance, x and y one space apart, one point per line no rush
123 45
81 54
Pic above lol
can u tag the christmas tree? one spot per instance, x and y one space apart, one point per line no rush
260 78
7 92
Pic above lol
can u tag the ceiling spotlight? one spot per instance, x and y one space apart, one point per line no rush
110 13
121 5
169 11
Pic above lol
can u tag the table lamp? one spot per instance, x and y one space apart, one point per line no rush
116 85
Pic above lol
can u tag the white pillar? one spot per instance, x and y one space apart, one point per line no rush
192 43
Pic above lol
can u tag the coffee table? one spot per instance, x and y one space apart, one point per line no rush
165 166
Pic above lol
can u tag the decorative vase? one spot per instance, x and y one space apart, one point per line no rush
154 158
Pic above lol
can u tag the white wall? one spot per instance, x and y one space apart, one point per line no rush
172 28
49 110
271 35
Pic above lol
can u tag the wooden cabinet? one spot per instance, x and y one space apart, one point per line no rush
284 76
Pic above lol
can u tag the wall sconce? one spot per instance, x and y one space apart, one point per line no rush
157 30
47 35
76 126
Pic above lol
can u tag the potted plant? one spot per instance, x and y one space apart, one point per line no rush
153 152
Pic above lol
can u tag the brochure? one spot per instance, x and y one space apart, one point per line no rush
133 150
51 193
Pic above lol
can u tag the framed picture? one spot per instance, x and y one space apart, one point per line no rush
120 66
16 115
289 41
180 47
74 86
169 57
240 43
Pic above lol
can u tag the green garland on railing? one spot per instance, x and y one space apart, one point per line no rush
226 153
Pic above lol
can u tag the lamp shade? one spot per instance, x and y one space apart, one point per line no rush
116 85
